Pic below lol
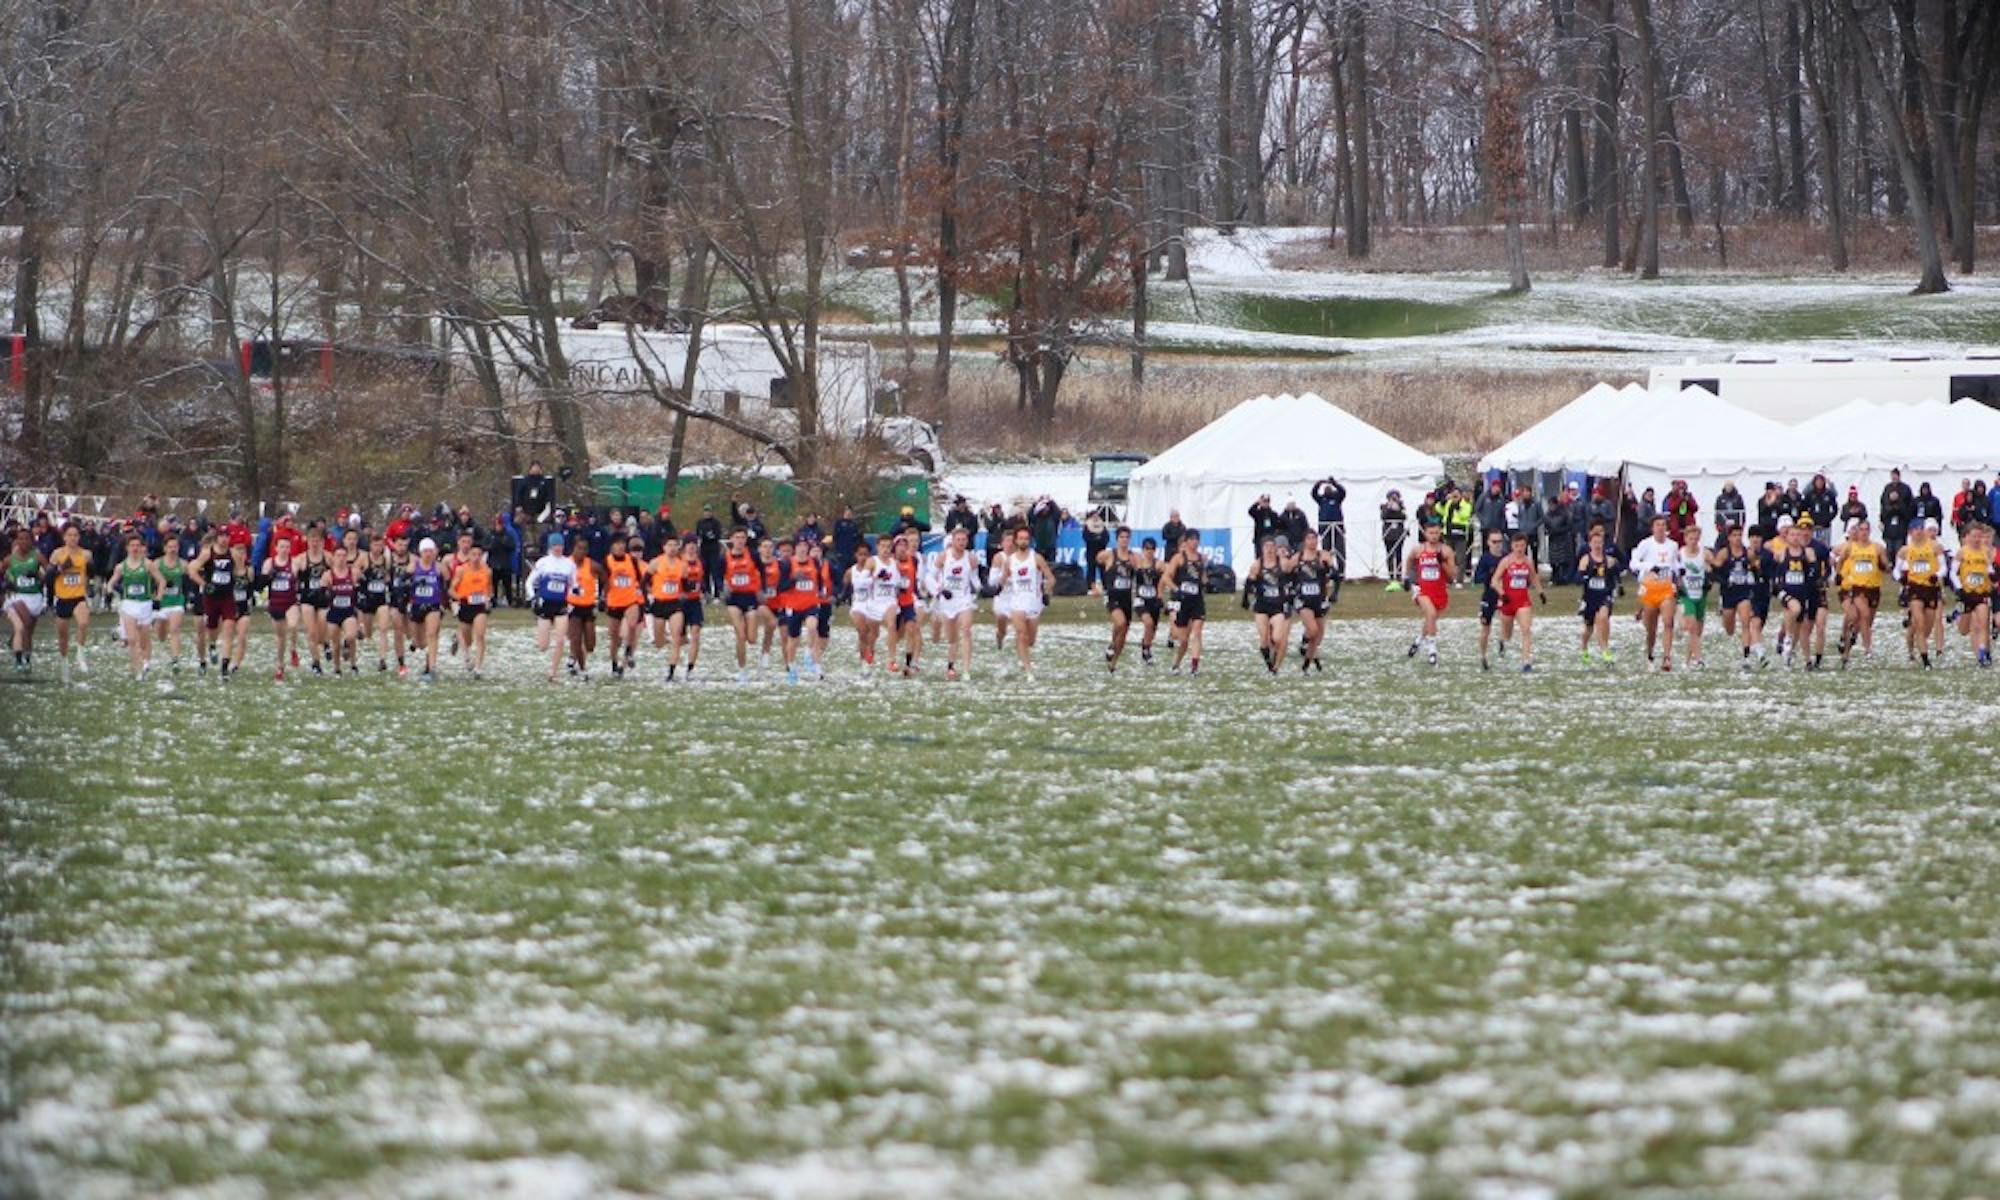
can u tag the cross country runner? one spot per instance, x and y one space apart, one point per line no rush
1183 579
1428 569
1118 565
71 565
956 587
25 572
139 585
281 590
1655 562
1920 569
1517 577
1861 563
1028 578
1599 571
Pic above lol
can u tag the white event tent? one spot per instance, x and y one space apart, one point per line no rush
1282 445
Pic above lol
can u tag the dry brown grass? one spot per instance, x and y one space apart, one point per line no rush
1443 411
1766 247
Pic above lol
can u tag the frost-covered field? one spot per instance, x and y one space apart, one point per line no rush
1390 931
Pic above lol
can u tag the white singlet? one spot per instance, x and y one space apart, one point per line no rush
1024 587
955 582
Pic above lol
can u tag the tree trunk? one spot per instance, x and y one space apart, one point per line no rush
1138 314
1829 136
30 248
954 97
1795 136
1649 179
1225 115
1930 280
1360 175
1604 167
1576 180
1505 159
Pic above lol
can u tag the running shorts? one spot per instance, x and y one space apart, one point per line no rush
278 610
1267 608
1193 608
1512 605
585 613
691 612
745 601
136 610
1151 608
468 613
1733 596
1489 605
549 610
422 609
1695 607
905 613
1873 595
957 603
1436 593
615 615
824 627
1760 604
660 610
1929 593
214 609
1655 592
794 621
316 598
30 603
1119 602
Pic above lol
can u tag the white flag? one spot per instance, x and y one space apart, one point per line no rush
201 506
41 499
260 510
99 501
69 502
386 506
292 506
176 501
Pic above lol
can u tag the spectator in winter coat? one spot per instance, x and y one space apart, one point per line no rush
1491 509
1559 523
1993 503
1729 507
1822 505
708 541
1263 521
1681 509
1853 510
1170 533
995 524
1649 507
1332 499
1293 525
1770 505
503 552
961 516
908 520
1096 537
1525 515
1896 508
1044 523
1395 532
1927 507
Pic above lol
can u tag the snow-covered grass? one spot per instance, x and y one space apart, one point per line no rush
1389 931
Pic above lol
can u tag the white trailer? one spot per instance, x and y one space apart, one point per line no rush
1794 390
737 374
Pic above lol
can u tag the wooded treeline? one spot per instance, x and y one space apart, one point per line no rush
186 174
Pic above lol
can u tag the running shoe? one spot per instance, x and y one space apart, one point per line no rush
1527 668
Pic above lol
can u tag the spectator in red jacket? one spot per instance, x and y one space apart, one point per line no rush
1679 508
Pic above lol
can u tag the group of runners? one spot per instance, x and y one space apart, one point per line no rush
1760 580
334 602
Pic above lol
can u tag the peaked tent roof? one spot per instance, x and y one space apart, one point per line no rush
1288 437
1543 445
1697 432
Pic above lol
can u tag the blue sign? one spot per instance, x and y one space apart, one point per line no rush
1069 545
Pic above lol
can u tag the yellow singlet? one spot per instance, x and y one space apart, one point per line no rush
1861 568
72 569
1921 564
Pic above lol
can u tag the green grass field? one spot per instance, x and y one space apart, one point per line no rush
1386 931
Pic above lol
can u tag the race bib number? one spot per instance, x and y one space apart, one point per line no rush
1739 578
1864 567
281 585
478 598
739 580
1598 583
1149 593
1308 589
72 579
1428 573
377 587
1795 578
1976 580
